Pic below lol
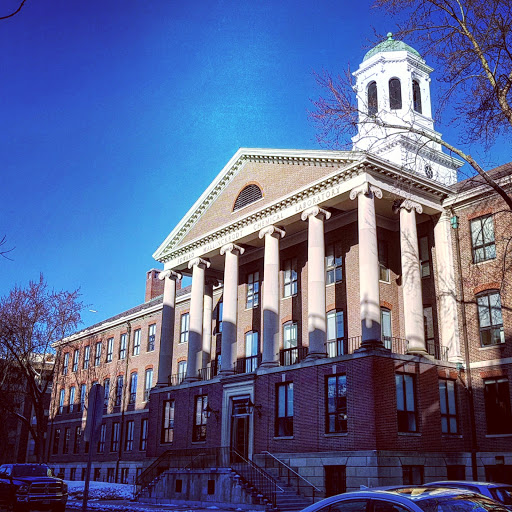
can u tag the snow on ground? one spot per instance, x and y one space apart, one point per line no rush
100 491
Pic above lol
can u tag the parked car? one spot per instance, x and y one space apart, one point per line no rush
498 492
408 499
25 487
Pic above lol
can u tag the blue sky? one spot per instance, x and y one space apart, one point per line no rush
116 115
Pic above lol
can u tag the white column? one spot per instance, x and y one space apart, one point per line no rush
411 278
446 289
317 319
195 337
165 353
230 307
368 264
271 295
207 322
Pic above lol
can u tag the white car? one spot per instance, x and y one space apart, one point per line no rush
498 492
408 499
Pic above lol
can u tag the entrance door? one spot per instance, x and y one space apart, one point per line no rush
240 416
335 480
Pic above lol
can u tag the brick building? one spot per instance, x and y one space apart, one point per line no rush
348 314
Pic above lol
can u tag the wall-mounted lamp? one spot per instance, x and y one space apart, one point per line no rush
209 411
454 221
251 406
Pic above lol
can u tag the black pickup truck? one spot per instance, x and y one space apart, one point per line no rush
25 487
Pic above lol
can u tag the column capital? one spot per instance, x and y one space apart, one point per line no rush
200 262
272 231
171 274
231 248
315 211
367 189
408 204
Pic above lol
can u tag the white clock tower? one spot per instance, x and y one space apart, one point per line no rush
393 96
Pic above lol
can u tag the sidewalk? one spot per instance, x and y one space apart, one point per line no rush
135 506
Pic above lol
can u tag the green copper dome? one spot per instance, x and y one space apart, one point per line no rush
390 45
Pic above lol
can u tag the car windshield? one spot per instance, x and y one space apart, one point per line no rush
502 494
460 503
30 470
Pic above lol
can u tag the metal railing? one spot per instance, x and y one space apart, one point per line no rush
262 483
396 345
247 364
438 351
342 346
293 355
286 474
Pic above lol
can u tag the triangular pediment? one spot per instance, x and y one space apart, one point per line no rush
276 172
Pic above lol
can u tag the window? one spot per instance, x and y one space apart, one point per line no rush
97 474
220 312
56 441
335 334
110 350
184 327
128 443
251 351
61 400
424 256
482 239
67 438
412 475
448 406
136 342
249 194
333 264
490 318
290 277
373 102
114 440
133 388
124 475
143 443
72 474
87 351
200 418
71 398
428 324
182 371
97 355
119 391
101 440
151 337
106 385
83 393
497 406
78 437
406 402
284 409
122 346
336 404
253 290
148 383
290 335
167 435
65 364
385 327
383 261
416 96
76 356
395 94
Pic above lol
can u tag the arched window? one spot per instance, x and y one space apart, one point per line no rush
373 102
395 94
416 96
248 195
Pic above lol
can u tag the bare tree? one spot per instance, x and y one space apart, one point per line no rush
471 42
31 319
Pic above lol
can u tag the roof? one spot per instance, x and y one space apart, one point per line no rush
475 181
390 45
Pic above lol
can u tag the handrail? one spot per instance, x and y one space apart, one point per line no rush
292 470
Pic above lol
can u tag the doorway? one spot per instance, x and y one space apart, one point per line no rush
240 416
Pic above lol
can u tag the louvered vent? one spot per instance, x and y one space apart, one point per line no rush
248 195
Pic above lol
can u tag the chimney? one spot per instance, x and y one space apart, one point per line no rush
154 286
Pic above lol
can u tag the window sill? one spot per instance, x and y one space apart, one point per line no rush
253 308
199 442
289 296
336 434
278 438
333 284
412 434
384 282
447 435
491 436
490 347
